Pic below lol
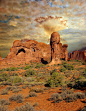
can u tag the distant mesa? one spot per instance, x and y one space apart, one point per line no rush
78 55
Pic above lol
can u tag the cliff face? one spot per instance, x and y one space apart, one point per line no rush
25 51
78 55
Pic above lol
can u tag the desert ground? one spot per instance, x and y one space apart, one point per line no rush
39 87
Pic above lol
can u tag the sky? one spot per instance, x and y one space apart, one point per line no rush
38 19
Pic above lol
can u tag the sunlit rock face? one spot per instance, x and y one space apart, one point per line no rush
25 51
78 55
57 50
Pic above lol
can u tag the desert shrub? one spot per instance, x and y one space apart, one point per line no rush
70 98
55 80
17 80
13 69
7 69
52 71
4 92
31 94
2 69
37 90
3 108
24 87
6 83
12 88
19 98
14 74
62 69
4 102
18 84
78 84
64 87
65 93
84 72
13 98
27 67
29 73
26 107
4 76
17 90
38 65
56 97
80 95
8 88
68 66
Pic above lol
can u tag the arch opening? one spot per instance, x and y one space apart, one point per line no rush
43 61
33 50
20 50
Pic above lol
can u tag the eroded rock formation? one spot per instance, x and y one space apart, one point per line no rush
57 50
78 55
25 51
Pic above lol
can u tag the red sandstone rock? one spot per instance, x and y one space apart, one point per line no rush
78 55
64 48
26 51
55 48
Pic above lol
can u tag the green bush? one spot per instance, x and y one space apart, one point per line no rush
62 69
17 80
38 65
7 69
68 66
29 73
13 69
4 77
27 67
55 80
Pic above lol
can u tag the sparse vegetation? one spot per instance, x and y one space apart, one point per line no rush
19 98
29 73
69 76
68 96
4 102
26 107
27 67
31 94
4 92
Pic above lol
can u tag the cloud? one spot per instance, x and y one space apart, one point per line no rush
51 24
13 23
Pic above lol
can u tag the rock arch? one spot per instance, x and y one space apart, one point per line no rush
20 50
